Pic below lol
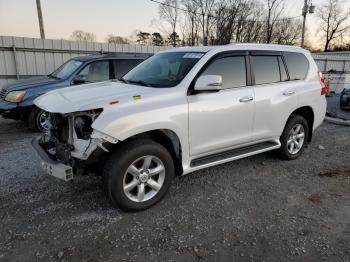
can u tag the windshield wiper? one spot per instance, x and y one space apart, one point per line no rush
124 80
140 82
54 77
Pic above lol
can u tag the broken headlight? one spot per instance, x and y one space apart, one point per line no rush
82 126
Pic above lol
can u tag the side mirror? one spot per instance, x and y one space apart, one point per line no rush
208 83
79 79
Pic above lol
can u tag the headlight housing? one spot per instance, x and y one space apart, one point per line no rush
15 96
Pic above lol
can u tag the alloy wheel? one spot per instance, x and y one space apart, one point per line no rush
44 120
296 139
144 178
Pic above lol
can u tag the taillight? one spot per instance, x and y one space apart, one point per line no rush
323 86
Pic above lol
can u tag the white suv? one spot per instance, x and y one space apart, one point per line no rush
179 111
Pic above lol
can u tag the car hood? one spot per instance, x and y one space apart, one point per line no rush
25 84
91 96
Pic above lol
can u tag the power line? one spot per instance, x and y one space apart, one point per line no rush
175 7
209 15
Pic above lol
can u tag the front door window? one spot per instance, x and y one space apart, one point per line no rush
96 71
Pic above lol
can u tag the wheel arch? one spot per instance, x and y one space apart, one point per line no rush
308 113
167 138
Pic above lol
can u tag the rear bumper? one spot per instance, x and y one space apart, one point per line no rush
50 166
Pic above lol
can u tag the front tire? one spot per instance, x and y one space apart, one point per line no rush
39 120
138 174
294 138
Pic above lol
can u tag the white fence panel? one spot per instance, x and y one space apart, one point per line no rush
25 57
347 66
3 67
9 63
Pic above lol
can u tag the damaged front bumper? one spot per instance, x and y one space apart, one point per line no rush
50 166
71 145
81 151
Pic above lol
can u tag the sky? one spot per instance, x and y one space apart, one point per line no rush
103 17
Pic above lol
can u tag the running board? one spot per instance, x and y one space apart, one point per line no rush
233 154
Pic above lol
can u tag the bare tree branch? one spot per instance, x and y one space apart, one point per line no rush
333 21
169 12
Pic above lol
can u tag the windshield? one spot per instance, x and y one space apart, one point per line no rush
65 70
163 69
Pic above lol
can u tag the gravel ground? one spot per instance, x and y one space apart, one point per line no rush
256 209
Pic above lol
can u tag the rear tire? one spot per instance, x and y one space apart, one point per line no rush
294 138
138 174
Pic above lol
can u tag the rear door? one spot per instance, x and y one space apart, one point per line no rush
222 119
275 94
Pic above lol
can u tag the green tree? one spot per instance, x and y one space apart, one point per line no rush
174 39
143 38
157 39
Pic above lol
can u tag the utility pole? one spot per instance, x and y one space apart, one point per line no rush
192 30
307 8
41 22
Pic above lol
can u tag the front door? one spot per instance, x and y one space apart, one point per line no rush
224 119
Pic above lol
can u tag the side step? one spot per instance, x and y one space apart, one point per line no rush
234 154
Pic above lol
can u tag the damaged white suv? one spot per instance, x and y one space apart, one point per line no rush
180 111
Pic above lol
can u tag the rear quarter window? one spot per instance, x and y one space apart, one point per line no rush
297 64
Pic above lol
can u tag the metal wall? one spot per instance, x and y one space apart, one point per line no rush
22 57
339 61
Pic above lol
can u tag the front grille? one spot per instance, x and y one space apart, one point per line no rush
3 93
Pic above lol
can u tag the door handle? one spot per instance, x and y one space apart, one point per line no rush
246 99
288 93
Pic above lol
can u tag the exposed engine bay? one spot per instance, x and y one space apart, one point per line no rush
71 138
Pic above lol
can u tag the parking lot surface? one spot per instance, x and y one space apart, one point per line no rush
256 209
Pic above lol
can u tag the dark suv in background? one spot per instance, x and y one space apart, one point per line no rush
345 98
16 99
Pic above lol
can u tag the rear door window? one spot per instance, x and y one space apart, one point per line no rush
297 65
232 69
122 66
266 69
